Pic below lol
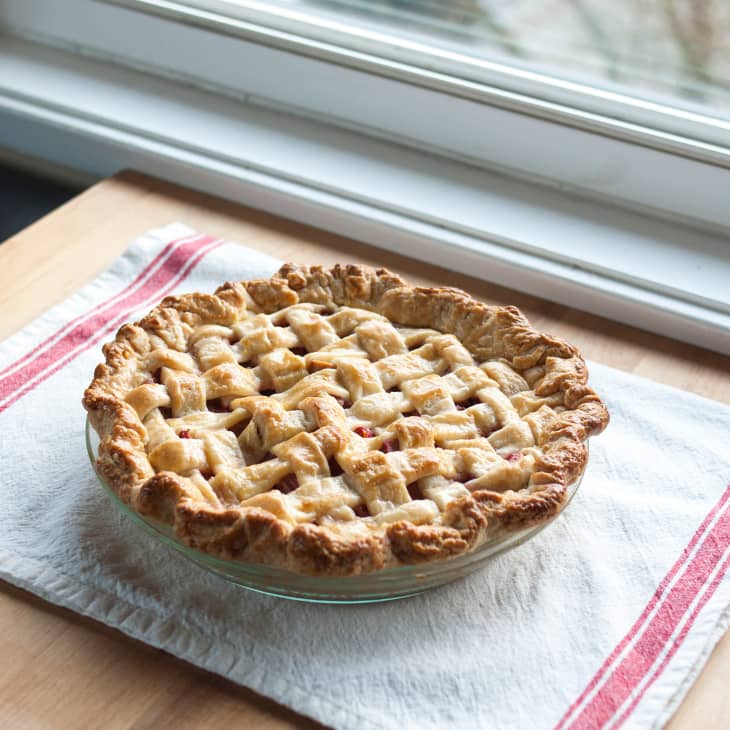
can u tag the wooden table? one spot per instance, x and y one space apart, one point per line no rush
58 670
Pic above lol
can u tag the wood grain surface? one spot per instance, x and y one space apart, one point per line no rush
59 670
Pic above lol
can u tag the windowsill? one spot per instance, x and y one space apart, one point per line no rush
98 118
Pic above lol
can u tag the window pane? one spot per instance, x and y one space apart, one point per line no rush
669 52
675 47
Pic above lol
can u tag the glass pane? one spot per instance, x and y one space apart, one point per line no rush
675 52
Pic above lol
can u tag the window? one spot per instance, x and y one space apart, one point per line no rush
666 51
474 140
660 63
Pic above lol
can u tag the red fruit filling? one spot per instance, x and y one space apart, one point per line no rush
415 491
217 406
237 428
335 468
364 431
389 445
301 351
288 484
361 510
206 473
514 456
185 433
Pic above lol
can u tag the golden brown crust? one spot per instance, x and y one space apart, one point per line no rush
552 368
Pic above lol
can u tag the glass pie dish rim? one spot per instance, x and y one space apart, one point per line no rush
383 585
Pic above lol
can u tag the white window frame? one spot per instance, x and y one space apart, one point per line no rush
663 123
398 164
669 181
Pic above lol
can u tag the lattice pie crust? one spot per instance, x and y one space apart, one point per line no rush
338 422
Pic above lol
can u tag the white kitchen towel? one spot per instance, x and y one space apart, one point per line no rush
604 619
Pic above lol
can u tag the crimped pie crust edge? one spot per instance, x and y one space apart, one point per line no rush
255 535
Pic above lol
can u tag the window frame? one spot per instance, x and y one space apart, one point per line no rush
110 98
608 109
668 182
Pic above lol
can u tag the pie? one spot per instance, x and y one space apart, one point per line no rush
339 421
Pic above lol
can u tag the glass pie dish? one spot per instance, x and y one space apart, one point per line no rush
384 585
